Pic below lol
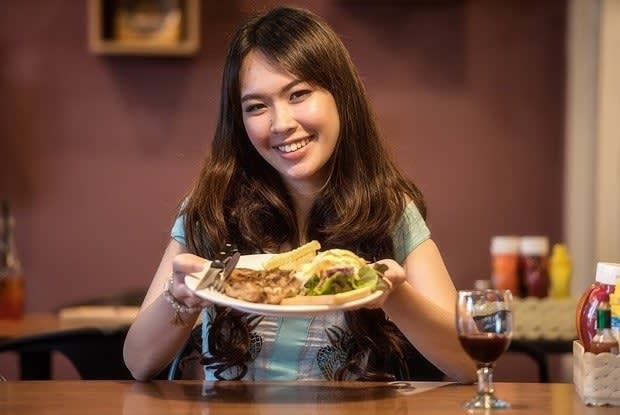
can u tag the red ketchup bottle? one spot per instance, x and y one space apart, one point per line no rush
603 287
534 265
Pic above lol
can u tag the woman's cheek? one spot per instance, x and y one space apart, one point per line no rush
257 130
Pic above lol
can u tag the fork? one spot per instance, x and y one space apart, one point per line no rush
220 269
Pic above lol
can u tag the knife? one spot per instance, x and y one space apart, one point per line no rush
218 271
229 264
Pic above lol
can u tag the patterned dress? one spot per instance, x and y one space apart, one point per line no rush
306 348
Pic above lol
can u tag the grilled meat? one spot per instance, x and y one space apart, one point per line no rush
260 286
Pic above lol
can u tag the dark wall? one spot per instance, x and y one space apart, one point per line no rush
96 151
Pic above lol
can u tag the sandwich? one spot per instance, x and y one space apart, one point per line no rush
337 276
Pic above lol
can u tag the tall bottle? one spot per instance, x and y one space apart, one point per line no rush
534 265
614 303
604 341
11 277
505 263
603 287
560 270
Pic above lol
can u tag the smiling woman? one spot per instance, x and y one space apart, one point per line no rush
296 157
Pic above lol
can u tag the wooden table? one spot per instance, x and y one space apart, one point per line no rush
32 364
260 398
76 317
37 335
30 324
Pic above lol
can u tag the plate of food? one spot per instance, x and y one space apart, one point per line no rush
301 282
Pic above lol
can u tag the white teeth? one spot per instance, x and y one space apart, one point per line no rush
288 148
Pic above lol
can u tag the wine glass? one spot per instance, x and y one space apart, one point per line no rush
484 326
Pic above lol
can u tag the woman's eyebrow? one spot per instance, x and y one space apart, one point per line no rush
286 87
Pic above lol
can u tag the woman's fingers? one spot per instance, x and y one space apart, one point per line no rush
182 265
189 263
394 276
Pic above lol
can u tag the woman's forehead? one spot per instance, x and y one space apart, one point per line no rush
258 71
257 57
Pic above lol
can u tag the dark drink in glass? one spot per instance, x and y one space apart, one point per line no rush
484 326
484 347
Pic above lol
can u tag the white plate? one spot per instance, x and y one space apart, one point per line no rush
256 262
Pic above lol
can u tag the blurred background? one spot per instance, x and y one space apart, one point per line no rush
499 111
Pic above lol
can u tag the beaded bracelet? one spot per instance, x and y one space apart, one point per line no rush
178 307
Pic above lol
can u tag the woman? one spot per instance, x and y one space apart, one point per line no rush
297 156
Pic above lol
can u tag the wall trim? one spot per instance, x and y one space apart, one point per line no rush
592 152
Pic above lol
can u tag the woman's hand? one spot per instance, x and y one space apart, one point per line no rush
394 276
182 265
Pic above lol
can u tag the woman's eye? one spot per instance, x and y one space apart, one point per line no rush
254 107
298 95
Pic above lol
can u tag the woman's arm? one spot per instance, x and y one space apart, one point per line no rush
153 338
423 308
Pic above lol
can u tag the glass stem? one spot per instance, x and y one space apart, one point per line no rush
485 379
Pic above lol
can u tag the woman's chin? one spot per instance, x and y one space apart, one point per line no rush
298 175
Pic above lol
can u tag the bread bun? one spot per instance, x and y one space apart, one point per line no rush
330 299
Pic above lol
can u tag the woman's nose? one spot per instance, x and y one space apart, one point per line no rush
282 119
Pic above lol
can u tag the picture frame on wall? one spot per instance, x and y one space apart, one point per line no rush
144 27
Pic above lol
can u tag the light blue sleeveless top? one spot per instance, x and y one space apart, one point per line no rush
297 348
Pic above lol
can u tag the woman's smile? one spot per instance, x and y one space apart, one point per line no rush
293 146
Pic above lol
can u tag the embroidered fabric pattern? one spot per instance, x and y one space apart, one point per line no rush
223 368
331 357
256 344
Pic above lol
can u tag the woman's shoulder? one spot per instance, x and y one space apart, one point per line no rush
410 231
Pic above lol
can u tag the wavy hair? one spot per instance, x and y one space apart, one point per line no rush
239 198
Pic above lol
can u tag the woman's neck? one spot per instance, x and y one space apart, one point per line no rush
303 198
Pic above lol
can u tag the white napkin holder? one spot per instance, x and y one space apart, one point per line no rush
596 376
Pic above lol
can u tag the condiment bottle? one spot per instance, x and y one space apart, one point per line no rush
482 285
560 270
505 263
614 302
603 341
603 287
534 251
11 278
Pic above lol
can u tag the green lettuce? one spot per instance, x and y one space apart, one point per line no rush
342 279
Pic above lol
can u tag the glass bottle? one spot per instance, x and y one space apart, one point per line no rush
603 341
603 287
614 303
534 265
505 263
11 277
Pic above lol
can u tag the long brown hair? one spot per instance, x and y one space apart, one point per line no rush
239 198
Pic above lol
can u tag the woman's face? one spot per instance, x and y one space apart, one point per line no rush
293 125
